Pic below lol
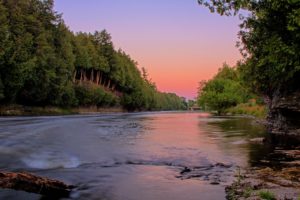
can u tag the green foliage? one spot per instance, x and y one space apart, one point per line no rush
267 195
4 32
270 42
191 103
220 94
223 91
228 7
1 90
40 60
247 192
227 72
88 95
68 96
249 108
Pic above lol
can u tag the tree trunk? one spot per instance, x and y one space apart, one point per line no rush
84 75
100 78
108 84
92 76
34 184
97 77
103 81
81 75
74 75
113 87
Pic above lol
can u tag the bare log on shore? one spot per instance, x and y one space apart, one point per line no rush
34 184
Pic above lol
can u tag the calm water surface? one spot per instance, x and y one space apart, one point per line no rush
148 156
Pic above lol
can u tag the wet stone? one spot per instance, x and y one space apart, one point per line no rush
185 170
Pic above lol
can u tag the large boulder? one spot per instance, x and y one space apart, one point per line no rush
284 116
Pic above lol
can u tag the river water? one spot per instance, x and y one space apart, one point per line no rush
137 156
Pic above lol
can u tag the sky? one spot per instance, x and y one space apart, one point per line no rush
179 42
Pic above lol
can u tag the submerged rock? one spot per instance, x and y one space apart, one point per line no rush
34 184
185 170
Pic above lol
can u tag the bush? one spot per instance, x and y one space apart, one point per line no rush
267 195
220 94
88 95
68 97
249 108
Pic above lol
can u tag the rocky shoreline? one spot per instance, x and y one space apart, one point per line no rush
280 180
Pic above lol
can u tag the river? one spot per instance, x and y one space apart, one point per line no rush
131 156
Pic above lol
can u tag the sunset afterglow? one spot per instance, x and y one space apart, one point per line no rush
179 42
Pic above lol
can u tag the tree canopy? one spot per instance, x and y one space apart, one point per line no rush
225 90
43 63
269 41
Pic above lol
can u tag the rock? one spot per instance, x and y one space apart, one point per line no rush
257 140
284 117
185 170
295 154
34 184
283 182
223 165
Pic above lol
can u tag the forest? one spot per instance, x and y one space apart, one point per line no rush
43 63
269 41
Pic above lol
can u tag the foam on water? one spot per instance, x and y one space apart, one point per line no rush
51 160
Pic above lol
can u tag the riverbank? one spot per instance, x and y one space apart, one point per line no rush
19 110
273 180
250 108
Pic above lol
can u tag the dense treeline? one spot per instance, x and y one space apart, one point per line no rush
227 92
223 91
270 44
43 63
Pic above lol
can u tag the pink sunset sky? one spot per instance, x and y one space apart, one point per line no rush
179 42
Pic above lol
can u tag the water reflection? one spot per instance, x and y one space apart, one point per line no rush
132 156
237 134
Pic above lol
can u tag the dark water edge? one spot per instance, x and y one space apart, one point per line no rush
20 110
156 155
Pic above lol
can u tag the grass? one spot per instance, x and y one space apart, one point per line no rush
247 192
18 110
250 108
239 188
266 195
239 176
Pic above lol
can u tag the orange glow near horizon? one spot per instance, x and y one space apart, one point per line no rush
179 42
180 69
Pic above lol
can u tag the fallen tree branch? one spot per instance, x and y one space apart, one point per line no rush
34 184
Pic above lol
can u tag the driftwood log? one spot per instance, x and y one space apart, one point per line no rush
34 184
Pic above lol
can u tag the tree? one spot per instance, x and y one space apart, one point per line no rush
223 91
40 60
220 94
17 59
270 41
105 47
270 44
4 43
227 72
